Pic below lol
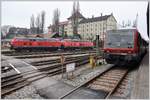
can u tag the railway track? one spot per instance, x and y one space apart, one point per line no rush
51 55
57 60
5 69
15 53
17 81
107 81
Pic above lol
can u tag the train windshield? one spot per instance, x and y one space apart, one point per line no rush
119 39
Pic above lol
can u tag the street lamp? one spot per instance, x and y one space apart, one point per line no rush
97 44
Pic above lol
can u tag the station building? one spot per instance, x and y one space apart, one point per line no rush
88 28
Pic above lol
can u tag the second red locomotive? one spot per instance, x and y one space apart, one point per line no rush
49 44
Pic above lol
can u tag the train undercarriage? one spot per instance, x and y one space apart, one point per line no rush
49 48
123 59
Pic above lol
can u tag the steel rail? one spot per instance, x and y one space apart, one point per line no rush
86 82
97 76
117 84
26 82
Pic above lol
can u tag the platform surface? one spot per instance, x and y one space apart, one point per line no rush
85 93
18 64
140 87
54 89
51 88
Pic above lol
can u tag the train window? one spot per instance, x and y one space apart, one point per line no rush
42 39
39 40
18 39
119 39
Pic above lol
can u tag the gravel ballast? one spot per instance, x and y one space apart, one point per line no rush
27 92
84 74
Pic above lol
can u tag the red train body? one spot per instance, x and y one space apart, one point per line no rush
48 44
123 46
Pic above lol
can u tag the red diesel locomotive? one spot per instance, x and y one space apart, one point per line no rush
123 46
48 44
76 44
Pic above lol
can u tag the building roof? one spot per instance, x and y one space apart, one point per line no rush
60 23
94 19
78 14
63 23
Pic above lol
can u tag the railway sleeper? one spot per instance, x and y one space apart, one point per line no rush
97 87
104 84
51 62
10 78
7 91
105 80
13 83
115 73
37 62
48 55
13 77
110 77
59 64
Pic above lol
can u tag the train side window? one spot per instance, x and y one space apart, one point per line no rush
33 40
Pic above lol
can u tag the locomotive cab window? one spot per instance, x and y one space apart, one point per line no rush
119 39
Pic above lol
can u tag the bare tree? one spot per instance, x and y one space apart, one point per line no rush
135 22
129 23
55 20
32 21
37 23
32 24
75 17
42 22
37 26
123 23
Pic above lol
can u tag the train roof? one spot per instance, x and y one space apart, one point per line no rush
79 40
122 29
127 28
23 38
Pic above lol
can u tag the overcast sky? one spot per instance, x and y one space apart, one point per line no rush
18 13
